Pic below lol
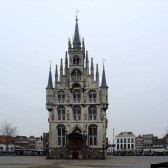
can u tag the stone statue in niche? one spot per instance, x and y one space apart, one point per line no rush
68 96
68 115
101 115
85 115
52 115
85 96
68 124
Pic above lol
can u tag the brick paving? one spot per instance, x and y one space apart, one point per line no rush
110 162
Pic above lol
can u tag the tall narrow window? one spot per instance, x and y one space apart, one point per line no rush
93 135
77 113
76 75
92 96
76 60
61 113
61 97
92 113
76 97
61 135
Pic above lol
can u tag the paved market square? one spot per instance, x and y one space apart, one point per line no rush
110 162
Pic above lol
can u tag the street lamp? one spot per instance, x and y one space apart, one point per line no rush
103 149
113 142
47 145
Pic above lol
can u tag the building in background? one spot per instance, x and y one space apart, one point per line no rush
147 143
39 146
32 145
139 145
166 141
77 105
21 145
7 145
125 143
45 142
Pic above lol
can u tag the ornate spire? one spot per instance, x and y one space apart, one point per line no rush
50 84
87 63
97 74
92 67
61 70
66 63
103 84
76 40
56 75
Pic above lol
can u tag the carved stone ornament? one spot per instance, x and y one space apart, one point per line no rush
68 115
85 115
68 96
85 96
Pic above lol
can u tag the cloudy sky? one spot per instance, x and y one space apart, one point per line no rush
131 35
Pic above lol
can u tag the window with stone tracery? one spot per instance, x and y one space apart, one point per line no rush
61 135
92 113
76 60
92 96
93 135
61 113
77 113
76 75
76 97
61 97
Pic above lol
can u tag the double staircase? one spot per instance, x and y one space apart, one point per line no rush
77 152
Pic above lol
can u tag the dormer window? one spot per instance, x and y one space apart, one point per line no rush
76 60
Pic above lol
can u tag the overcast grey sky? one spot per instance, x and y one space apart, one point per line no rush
132 35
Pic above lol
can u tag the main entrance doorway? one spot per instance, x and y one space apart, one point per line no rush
76 143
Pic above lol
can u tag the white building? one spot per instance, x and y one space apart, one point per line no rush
125 143
77 105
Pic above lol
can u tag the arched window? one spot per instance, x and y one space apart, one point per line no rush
93 135
61 97
76 60
76 86
77 113
76 75
92 113
92 96
76 96
61 113
61 135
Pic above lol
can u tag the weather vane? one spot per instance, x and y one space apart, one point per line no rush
103 61
50 63
76 14
77 11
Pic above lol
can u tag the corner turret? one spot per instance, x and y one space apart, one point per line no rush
104 91
49 92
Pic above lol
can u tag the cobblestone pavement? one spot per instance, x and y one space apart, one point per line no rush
110 162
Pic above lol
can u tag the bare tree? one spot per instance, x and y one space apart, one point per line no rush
8 131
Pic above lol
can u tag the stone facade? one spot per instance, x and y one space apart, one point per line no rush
77 104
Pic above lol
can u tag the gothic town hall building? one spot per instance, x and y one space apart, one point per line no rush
77 106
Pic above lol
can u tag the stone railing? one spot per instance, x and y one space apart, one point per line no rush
86 152
95 153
